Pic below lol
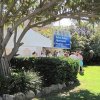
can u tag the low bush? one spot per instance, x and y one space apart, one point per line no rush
22 62
56 70
51 70
72 69
20 82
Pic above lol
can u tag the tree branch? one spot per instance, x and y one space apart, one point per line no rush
5 41
46 6
7 13
1 39
14 51
42 23
18 43
15 36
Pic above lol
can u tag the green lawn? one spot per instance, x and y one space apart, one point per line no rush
89 88
91 79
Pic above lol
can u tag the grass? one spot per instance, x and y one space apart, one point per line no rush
89 88
91 79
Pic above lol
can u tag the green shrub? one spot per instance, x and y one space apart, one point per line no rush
72 69
4 84
20 82
56 70
51 70
22 62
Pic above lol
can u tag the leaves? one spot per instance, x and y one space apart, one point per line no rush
42 12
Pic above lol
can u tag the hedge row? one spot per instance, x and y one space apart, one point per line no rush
22 63
51 70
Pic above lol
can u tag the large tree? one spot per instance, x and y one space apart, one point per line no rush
37 13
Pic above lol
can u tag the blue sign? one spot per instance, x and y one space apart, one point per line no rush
62 41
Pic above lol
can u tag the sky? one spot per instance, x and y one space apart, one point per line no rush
63 22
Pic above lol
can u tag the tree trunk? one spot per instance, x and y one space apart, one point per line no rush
4 67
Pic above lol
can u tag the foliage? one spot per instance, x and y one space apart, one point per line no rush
78 42
48 30
88 88
72 69
56 70
87 41
75 42
95 43
20 63
38 13
26 13
51 70
20 82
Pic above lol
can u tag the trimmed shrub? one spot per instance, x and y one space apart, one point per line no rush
51 70
21 63
72 69
56 70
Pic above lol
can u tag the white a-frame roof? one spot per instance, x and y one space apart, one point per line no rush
32 39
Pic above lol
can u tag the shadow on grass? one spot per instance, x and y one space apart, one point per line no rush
76 95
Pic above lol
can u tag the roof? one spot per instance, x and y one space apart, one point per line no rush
32 38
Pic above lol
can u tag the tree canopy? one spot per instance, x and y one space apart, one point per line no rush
38 13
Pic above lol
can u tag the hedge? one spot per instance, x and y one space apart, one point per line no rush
20 63
51 70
